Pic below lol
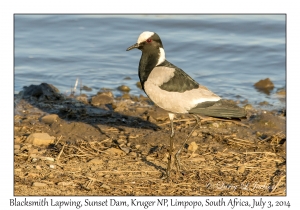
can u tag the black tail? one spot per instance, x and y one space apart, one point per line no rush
222 108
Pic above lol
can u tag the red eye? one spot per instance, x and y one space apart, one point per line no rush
149 40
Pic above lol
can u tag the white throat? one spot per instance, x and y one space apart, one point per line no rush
162 56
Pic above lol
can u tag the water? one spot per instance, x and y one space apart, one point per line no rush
226 53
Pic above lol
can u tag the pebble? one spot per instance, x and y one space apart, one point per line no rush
125 149
49 119
82 98
40 139
38 167
216 125
264 85
101 99
115 151
124 88
39 184
132 154
139 85
96 161
64 183
86 88
248 107
52 166
241 169
105 186
192 147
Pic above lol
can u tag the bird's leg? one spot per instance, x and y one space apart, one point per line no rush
171 116
177 161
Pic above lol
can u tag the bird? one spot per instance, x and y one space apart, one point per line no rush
173 90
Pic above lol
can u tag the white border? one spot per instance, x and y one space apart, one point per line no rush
8 8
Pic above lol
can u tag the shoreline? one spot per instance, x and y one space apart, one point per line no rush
110 145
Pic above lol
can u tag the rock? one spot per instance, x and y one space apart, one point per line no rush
132 154
105 186
216 125
194 134
281 92
124 88
241 169
38 167
52 166
263 103
192 147
151 119
82 98
106 93
125 96
248 107
65 183
49 119
125 149
96 161
265 85
101 99
139 85
115 151
44 90
127 78
86 88
39 184
40 139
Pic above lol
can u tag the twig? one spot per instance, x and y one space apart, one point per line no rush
277 183
61 151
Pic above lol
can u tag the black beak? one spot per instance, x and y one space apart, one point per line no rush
136 45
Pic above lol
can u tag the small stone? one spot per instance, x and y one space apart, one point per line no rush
151 119
265 85
241 169
192 147
86 88
52 166
124 88
96 161
137 146
40 139
82 98
132 154
105 186
125 96
125 149
127 78
38 167
106 176
94 168
248 107
101 99
139 85
65 183
216 125
263 103
194 134
39 184
49 119
115 151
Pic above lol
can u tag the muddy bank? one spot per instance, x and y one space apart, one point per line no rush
106 145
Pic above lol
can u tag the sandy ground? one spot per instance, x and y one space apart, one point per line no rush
119 146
